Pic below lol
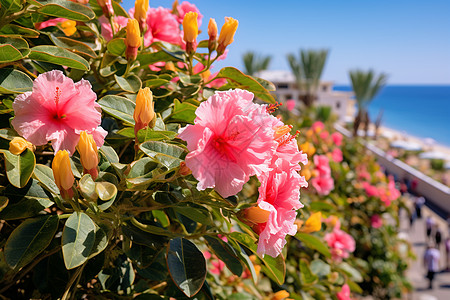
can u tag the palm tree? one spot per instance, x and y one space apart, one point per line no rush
366 86
307 71
254 63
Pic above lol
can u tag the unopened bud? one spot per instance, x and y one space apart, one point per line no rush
133 39
144 112
62 172
227 32
184 170
140 12
212 32
88 154
107 7
18 145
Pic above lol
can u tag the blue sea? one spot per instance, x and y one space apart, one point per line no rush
418 110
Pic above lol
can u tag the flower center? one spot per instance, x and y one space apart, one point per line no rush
222 145
57 115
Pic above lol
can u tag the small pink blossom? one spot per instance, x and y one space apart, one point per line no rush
57 110
226 145
337 138
118 21
162 26
323 184
336 155
186 7
341 243
51 22
290 104
376 221
371 191
217 265
344 294
324 135
322 164
317 126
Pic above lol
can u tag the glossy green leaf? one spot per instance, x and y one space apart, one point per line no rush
73 45
131 83
10 6
120 107
13 81
237 79
3 202
9 53
148 134
12 29
107 193
183 112
67 9
151 228
156 82
313 242
197 214
320 268
19 168
322 206
8 133
354 274
109 153
226 253
167 154
306 275
78 239
44 175
117 46
58 55
29 239
87 187
149 58
187 266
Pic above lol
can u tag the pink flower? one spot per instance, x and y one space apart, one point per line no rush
337 138
376 221
317 126
371 191
322 165
336 155
324 135
118 21
290 104
57 110
272 234
186 7
226 144
48 23
340 242
162 26
323 184
217 265
344 294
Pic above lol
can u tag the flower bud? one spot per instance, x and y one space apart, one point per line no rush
68 27
18 145
88 154
253 216
140 12
184 170
227 34
314 223
212 32
62 172
306 173
107 7
190 27
280 295
308 148
144 112
133 39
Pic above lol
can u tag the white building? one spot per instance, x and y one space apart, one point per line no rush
286 88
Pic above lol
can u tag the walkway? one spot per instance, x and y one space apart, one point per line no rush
416 273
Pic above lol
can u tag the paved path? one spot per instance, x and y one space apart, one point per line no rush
417 272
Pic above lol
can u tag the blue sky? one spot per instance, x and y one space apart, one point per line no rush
409 40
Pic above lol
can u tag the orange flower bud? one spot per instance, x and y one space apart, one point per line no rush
62 172
227 34
212 29
184 170
280 295
68 27
88 154
107 7
133 39
18 145
314 223
144 111
308 148
255 215
170 66
190 27
140 11
306 173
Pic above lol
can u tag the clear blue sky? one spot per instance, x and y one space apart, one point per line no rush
409 40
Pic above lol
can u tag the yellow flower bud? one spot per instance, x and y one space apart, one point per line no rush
190 27
306 173
68 27
280 295
88 153
227 33
133 34
63 173
212 29
314 223
144 111
256 215
308 148
140 10
18 145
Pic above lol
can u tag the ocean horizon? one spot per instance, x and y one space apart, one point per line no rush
418 110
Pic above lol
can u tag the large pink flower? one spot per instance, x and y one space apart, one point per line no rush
162 26
186 7
340 242
226 145
57 110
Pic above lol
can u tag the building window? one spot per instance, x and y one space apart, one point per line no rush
283 86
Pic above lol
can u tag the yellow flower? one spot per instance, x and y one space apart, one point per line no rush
88 153
314 223
144 111
227 33
280 295
190 27
68 27
63 173
133 34
18 145
212 29
306 173
140 10
308 148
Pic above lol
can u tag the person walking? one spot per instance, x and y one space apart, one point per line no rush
431 263
429 223
438 237
418 203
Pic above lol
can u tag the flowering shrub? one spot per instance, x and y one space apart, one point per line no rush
130 171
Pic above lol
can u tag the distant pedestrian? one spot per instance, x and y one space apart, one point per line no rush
431 263
412 217
418 203
429 223
447 252
438 237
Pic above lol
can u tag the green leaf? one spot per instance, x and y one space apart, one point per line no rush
167 154
237 79
156 82
117 46
149 58
183 112
351 271
19 168
44 175
131 83
3 202
109 153
73 45
107 193
13 81
120 107
12 29
87 187
8 133
197 214
9 53
10 6
322 206
187 266
305 273
275 268
67 9
59 56
313 242
225 253
29 239
320 268
78 239
148 134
